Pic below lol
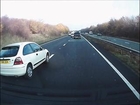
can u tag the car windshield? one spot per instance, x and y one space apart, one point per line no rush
9 51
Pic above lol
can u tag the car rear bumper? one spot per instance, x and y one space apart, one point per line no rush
17 70
77 37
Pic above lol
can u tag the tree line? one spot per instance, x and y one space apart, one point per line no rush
124 28
24 28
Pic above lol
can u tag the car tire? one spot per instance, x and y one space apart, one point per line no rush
47 58
29 71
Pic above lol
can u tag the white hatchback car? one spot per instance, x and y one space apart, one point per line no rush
22 58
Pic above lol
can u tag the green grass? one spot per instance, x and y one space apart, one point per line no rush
129 61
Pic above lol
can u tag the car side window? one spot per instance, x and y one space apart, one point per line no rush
27 50
35 47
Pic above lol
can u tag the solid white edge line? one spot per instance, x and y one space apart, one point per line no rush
51 56
117 71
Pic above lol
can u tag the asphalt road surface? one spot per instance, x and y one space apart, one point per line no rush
76 75
131 45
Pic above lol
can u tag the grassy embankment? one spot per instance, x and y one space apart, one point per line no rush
8 39
129 58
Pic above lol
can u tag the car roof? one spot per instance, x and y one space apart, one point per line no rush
19 44
77 31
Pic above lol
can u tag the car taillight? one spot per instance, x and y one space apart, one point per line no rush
18 61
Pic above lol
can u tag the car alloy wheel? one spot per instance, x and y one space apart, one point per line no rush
47 58
29 71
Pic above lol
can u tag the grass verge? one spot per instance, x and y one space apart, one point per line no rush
38 38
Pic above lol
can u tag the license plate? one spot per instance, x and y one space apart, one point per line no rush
4 62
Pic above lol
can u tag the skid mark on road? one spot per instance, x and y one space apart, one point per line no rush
117 71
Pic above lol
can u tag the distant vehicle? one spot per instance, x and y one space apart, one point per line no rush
72 34
99 34
77 35
69 34
22 58
90 32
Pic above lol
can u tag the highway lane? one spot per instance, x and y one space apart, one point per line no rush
134 46
76 74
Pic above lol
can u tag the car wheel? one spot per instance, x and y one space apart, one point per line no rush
47 59
29 71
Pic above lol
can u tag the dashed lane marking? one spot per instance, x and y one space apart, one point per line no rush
51 56
64 44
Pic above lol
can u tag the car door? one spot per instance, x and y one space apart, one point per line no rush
29 55
39 53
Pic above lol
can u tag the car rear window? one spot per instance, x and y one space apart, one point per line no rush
9 51
77 32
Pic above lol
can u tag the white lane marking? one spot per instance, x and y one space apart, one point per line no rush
64 44
51 56
127 42
117 71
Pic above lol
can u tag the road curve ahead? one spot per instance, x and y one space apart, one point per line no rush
76 75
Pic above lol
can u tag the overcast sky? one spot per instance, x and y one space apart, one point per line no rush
75 14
